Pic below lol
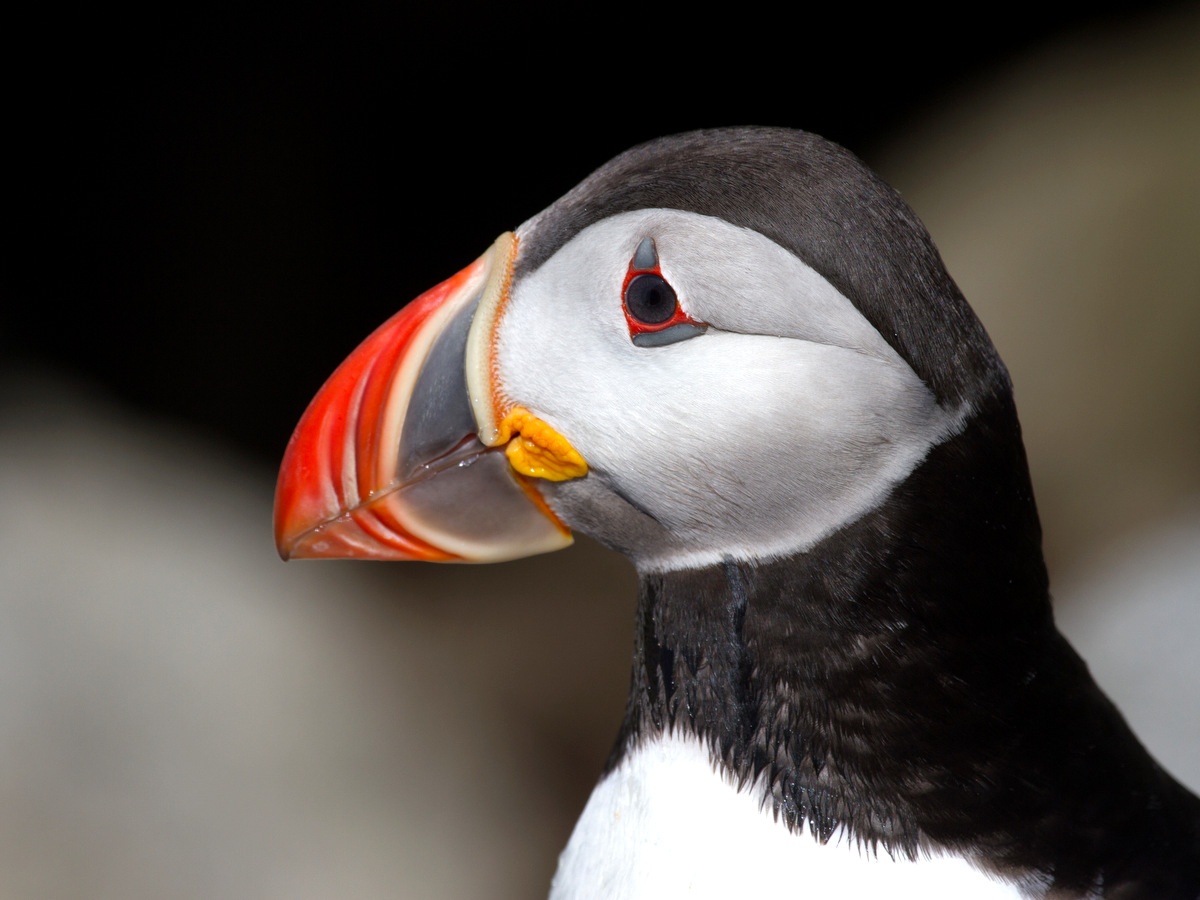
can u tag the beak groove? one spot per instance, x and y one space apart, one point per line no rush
386 464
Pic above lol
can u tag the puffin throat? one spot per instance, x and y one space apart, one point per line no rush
903 683
853 683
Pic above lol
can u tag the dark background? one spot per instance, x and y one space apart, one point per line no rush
208 207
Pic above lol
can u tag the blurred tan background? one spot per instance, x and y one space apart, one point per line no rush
184 716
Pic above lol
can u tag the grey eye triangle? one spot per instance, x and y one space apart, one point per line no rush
645 257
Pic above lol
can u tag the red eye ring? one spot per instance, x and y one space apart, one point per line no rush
652 307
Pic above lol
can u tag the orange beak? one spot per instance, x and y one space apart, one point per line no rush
386 463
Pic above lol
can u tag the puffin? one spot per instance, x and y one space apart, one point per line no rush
735 356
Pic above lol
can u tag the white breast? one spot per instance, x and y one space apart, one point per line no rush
665 824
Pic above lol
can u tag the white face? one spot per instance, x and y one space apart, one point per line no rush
789 417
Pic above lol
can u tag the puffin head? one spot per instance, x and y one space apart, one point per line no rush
722 345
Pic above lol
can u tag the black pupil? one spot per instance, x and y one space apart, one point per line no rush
650 299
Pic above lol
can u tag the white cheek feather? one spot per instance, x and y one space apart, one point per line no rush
664 824
789 418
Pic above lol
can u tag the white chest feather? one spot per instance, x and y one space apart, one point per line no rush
665 825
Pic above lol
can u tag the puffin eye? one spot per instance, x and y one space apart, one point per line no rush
649 299
652 309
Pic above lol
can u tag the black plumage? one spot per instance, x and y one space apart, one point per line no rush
904 678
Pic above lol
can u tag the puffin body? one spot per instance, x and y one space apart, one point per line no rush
736 357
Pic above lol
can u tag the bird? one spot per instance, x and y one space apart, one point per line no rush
736 356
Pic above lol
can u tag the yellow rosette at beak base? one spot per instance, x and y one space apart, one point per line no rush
536 450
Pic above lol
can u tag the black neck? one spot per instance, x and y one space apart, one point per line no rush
904 679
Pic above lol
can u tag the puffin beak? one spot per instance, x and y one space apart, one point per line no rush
387 461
